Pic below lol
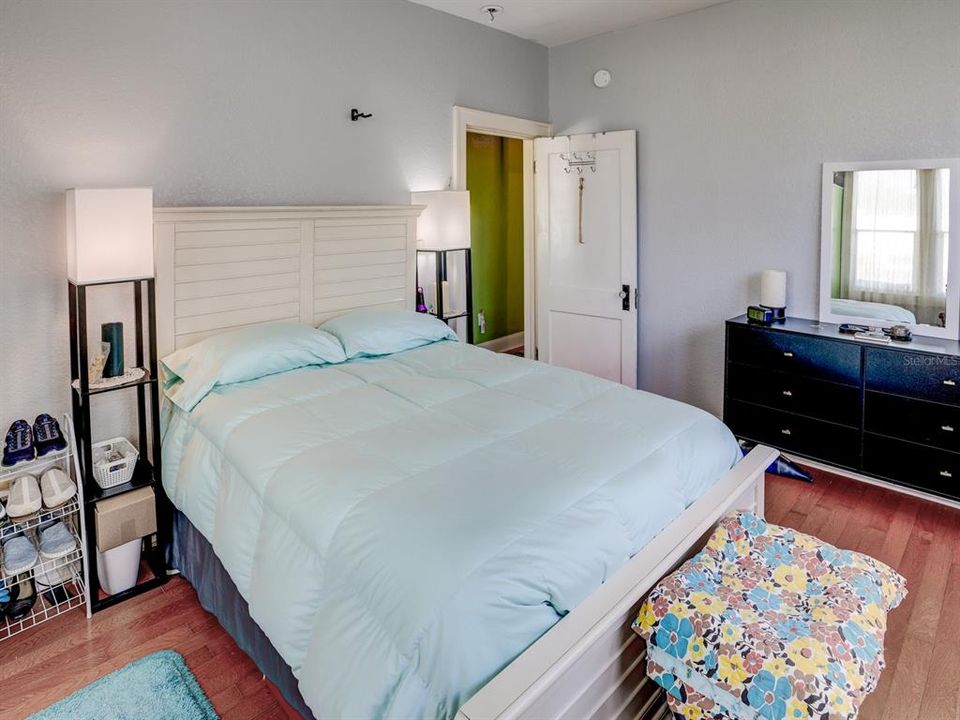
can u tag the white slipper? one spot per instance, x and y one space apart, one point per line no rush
56 488
25 498
49 577
56 541
19 555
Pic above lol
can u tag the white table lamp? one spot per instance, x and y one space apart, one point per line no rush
445 223
109 235
773 292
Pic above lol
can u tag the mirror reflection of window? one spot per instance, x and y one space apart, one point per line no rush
893 244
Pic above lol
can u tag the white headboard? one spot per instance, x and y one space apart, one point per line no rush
221 268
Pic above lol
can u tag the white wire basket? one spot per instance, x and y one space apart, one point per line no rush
109 470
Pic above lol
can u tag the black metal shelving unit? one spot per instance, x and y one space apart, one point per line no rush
147 470
440 263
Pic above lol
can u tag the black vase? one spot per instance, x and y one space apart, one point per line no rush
113 333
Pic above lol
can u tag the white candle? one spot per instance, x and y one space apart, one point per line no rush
773 289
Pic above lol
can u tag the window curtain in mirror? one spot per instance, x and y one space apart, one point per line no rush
895 239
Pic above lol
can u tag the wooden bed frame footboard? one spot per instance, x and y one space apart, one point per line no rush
591 664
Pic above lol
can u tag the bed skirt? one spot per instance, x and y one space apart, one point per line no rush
193 556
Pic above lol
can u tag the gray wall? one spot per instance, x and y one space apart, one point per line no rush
245 102
736 107
224 102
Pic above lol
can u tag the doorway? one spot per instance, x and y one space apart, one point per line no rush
495 182
508 131
579 217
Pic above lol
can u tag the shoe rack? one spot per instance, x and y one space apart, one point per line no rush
72 591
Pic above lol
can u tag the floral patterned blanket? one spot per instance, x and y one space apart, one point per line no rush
767 623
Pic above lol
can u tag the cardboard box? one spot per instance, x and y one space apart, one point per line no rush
125 517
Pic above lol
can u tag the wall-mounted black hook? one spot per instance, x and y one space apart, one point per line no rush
356 114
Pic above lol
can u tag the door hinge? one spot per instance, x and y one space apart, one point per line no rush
636 298
534 167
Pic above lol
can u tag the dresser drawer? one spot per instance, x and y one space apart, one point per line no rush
795 393
922 422
788 352
817 439
921 467
926 377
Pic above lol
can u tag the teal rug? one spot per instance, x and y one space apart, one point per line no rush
155 687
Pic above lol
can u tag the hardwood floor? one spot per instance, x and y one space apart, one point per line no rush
922 541
918 538
53 660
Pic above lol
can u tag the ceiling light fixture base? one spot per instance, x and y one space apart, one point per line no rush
493 11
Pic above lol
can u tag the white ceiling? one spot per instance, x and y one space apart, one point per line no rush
554 22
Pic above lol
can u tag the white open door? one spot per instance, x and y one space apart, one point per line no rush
586 253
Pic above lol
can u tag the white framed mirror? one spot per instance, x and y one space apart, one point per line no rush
887 254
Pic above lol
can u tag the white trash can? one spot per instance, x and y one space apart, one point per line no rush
119 567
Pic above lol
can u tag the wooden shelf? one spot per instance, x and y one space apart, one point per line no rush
148 579
441 276
142 477
147 379
147 470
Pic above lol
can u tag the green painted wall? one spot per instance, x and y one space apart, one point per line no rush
495 182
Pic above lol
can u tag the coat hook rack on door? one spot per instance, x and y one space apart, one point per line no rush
579 161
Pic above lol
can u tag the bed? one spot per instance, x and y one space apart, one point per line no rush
872 310
435 532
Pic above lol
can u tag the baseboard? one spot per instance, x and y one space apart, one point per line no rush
507 342
872 481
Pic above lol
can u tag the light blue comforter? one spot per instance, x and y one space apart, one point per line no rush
872 310
403 527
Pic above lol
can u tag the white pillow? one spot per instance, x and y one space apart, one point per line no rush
369 333
244 354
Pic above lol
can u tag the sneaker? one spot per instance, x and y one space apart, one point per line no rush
19 443
19 555
56 541
25 498
56 488
47 435
23 595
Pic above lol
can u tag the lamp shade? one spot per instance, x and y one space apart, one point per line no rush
773 289
445 223
109 235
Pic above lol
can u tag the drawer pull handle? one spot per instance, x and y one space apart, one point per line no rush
785 431
947 428
788 393
950 383
789 354
946 473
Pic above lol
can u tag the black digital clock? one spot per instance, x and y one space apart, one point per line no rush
760 314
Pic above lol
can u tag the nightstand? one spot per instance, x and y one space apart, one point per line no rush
147 470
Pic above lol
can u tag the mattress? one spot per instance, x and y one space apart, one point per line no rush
403 527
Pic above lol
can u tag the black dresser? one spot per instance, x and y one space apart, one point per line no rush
885 411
